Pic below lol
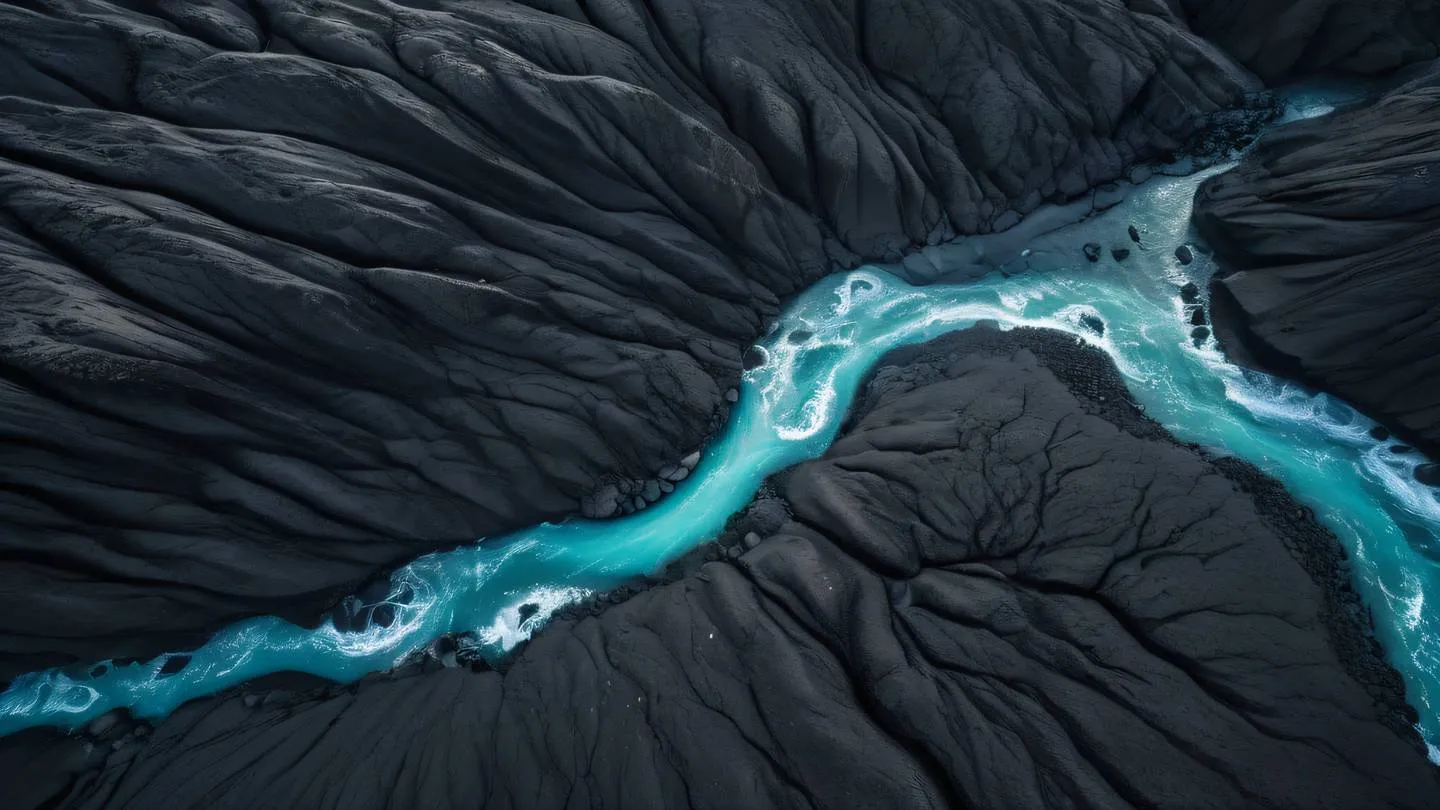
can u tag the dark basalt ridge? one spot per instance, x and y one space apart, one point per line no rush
1003 586
1330 230
295 290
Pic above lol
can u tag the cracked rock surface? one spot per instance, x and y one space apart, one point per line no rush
1332 228
295 290
1001 587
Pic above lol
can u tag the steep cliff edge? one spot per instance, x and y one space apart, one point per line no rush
1330 229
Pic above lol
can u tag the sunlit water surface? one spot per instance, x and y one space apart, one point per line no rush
504 588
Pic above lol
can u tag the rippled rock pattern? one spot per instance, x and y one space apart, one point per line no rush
293 291
1333 228
993 592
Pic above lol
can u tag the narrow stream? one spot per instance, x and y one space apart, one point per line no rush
503 589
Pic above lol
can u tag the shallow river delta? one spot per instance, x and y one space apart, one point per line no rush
891 417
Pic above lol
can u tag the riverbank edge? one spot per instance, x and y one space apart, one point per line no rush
1231 323
1093 379
1088 374
1221 134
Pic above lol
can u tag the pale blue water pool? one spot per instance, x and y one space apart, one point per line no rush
789 410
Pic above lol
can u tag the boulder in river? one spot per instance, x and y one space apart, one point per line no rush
602 502
1093 251
173 665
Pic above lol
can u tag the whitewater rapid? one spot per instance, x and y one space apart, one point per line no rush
789 410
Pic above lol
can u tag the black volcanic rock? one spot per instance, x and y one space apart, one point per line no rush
294 291
1331 227
1283 39
994 592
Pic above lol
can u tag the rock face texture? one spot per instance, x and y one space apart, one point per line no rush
1283 39
1332 228
1002 587
292 290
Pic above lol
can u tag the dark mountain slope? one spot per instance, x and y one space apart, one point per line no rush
291 291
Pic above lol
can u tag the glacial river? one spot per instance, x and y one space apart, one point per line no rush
504 588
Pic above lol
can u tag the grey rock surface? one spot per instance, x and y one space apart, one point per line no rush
1330 229
1287 39
295 290
1002 587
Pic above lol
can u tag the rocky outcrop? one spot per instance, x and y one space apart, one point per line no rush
293 290
1002 587
1285 39
1330 229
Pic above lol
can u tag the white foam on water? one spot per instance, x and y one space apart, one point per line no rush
788 410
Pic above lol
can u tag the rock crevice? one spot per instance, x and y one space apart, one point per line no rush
1003 586
294 291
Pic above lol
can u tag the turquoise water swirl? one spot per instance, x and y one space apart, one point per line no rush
503 589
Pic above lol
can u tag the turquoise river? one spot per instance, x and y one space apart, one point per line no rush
789 411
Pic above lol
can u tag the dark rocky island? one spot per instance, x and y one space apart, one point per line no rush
293 291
